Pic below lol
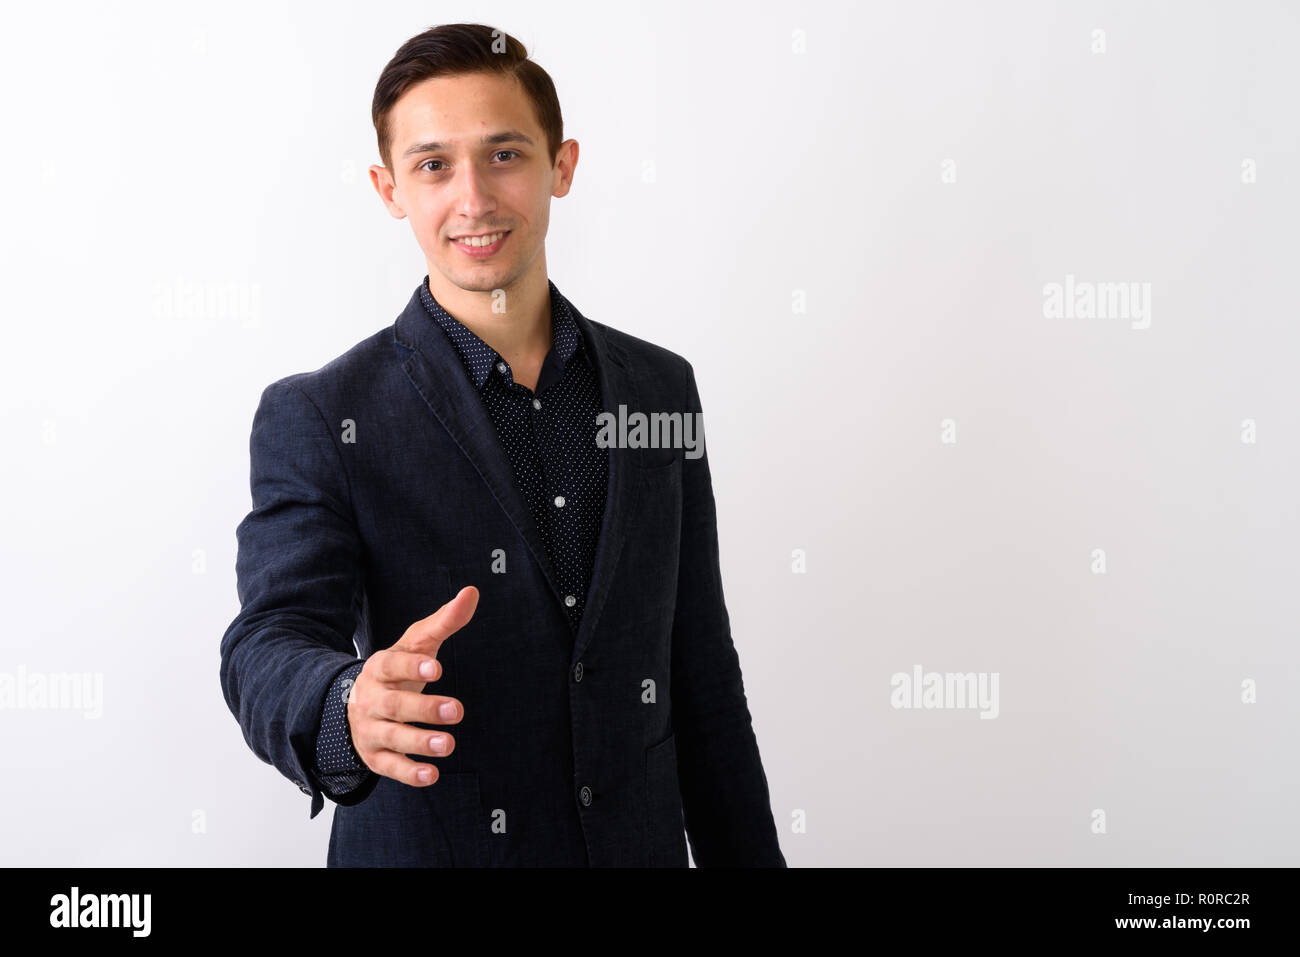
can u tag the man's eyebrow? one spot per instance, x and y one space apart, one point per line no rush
491 139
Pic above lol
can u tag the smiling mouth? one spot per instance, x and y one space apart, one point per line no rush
477 242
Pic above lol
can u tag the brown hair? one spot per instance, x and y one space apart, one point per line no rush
455 49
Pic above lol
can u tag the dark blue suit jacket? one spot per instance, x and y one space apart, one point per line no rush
380 490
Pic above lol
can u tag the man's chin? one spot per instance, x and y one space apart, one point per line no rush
481 280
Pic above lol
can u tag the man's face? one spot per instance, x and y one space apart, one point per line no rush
450 183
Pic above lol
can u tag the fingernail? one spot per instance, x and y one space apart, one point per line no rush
448 709
424 774
426 669
437 742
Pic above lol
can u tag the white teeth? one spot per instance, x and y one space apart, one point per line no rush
477 241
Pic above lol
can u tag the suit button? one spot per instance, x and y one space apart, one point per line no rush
577 671
585 795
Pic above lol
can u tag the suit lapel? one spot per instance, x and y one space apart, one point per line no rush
436 373
617 386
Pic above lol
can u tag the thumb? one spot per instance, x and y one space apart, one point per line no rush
428 634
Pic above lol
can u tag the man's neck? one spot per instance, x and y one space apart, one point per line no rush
521 334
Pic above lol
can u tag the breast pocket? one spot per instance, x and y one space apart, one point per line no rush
651 549
665 825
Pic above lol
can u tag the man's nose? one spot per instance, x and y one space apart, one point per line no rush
473 196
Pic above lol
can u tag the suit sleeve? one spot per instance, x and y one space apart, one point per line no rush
298 580
724 789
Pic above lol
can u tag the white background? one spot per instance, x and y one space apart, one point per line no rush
156 147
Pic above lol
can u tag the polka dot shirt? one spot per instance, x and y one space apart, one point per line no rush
549 436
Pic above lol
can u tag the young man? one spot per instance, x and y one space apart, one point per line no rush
576 694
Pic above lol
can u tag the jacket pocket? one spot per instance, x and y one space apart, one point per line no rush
665 826
442 825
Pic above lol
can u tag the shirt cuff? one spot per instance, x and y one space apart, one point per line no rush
337 762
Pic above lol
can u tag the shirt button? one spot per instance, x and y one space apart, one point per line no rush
537 403
559 501
501 367
577 671
585 796
570 600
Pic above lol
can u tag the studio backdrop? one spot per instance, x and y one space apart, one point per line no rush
992 313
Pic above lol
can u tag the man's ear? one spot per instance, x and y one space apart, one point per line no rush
566 161
382 180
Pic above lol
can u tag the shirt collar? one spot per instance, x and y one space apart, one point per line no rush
479 358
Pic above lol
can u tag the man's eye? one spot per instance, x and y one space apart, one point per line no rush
510 154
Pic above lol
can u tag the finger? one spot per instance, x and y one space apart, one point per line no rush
405 739
407 706
428 634
401 768
393 665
